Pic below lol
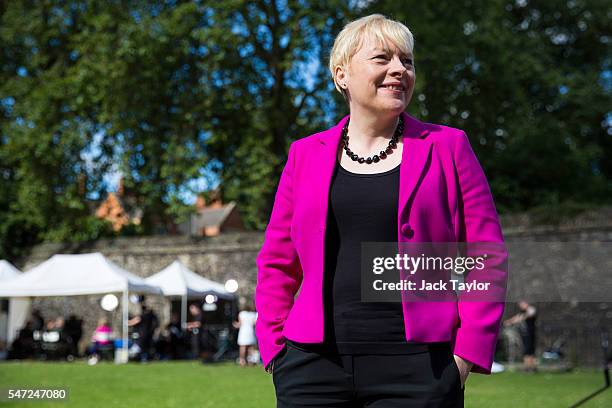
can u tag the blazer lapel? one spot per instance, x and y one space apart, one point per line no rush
416 151
329 142
415 154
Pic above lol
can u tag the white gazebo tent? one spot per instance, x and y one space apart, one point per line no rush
8 271
18 308
81 274
176 280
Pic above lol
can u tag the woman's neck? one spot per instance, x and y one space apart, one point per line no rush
367 130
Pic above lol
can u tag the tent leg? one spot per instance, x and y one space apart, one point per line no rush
184 312
124 342
19 310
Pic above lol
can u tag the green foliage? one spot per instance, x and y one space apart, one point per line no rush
81 229
527 81
264 102
169 94
556 213
183 96
43 129
131 230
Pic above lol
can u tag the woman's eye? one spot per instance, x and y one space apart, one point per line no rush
407 61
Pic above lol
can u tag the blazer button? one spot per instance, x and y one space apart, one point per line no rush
407 230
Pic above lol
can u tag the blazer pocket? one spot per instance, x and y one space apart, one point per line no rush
274 365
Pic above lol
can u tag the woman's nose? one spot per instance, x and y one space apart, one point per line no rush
397 64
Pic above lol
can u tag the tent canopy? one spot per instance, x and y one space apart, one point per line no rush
18 308
178 280
72 275
8 271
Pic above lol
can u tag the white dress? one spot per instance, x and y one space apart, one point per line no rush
246 333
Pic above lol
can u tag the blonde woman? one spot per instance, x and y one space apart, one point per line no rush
379 175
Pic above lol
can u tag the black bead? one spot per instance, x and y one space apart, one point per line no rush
383 153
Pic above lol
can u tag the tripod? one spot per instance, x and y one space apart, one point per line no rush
606 371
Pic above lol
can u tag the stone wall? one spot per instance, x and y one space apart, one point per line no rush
227 256
232 256
578 325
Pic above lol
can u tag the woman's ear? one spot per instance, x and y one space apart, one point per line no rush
341 77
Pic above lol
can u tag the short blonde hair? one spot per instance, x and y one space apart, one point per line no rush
349 40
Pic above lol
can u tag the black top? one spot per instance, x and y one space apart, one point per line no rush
148 322
362 208
528 325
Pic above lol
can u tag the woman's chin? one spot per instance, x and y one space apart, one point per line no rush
387 106
394 107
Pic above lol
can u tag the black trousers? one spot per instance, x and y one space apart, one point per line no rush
305 377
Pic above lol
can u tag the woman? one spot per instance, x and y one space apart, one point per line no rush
246 333
378 175
101 338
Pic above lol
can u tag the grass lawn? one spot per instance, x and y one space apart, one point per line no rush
191 384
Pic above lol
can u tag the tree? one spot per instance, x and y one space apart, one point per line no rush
42 128
183 96
526 80
269 85
189 90
167 93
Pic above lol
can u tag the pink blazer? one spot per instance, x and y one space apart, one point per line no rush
443 197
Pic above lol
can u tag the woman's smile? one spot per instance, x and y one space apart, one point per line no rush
395 89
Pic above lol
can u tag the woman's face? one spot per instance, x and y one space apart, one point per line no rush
370 72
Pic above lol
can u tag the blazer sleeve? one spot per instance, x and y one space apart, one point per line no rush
478 222
279 272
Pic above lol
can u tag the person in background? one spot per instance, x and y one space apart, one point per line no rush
246 332
526 319
49 325
101 337
170 343
195 328
38 323
23 345
177 337
146 324
56 324
73 328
